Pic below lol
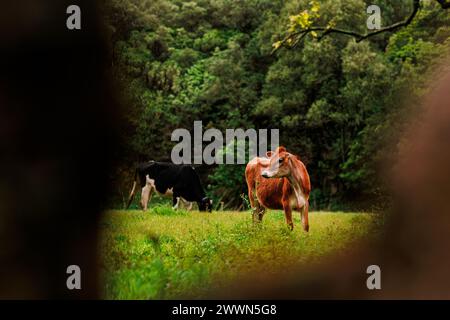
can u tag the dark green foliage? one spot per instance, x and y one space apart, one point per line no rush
341 105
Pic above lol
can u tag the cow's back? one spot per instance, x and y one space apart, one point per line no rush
188 184
253 169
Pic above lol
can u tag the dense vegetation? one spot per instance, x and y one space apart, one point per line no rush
168 254
340 104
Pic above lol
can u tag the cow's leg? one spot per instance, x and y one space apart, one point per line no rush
257 210
145 196
251 197
304 216
186 204
147 191
175 202
261 212
183 203
143 193
288 214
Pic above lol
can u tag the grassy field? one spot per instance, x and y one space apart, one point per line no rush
162 254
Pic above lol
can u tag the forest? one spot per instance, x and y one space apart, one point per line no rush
341 103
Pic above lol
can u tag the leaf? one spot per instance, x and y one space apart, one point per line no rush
277 44
315 6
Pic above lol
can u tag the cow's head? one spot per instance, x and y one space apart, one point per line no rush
205 204
279 164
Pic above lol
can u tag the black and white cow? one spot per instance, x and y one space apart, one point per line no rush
179 181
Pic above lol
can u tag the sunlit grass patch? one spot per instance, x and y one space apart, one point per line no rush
162 254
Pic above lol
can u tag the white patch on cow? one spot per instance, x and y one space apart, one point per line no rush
186 204
175 207
297 199
262 161
149 182
151 185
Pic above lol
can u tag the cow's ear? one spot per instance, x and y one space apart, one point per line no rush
269 154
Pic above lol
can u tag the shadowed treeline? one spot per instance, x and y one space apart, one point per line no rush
334 100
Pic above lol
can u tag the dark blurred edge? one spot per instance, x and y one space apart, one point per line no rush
57 140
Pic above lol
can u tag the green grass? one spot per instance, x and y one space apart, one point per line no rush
163 254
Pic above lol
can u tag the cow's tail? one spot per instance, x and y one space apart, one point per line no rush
133 190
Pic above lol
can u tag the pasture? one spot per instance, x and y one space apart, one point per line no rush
163 254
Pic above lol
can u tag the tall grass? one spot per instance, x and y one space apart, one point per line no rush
164 254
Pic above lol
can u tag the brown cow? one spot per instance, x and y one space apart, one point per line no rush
278 182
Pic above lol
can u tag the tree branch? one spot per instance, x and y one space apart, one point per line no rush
296 37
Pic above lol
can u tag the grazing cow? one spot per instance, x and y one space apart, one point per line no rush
179 181
278 182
